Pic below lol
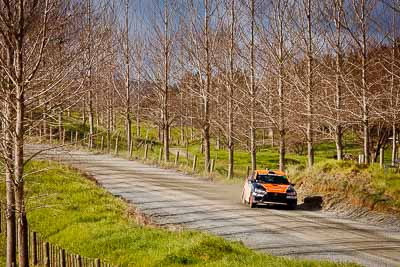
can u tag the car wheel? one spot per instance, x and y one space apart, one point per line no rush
292 205
251 203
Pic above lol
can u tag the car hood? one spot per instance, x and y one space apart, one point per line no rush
275 188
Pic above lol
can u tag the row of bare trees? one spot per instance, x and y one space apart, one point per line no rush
301 72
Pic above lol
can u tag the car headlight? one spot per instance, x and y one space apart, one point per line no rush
290 191
258 189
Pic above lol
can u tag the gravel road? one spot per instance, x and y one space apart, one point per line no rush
175 198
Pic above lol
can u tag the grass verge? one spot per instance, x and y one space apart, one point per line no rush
68 210
346 181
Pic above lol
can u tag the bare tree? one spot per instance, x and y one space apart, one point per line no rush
231 86
127 55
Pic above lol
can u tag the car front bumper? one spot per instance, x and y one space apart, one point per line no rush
271 197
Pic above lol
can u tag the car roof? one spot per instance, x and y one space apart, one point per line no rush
273 172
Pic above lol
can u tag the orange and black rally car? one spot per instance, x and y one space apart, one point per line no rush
267 186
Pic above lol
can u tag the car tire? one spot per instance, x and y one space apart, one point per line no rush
292 205
251 203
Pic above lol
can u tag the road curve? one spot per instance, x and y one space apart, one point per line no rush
175 198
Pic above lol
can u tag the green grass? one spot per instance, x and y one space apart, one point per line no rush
2 250
72 212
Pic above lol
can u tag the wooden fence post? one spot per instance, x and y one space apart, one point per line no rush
212 165
72 136
63 136
194 163
76 139
97 263
62 258
248 171
51 135
381 157
146 147
34 249
79 260
116 144
102 143
131 148
46 260
177 158
187 152
160 155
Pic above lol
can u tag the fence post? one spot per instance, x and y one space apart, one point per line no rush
97 263
76 139
51 135
381 157
187 152
146 147
102 143
131 148
212 165
34 249
72 136
177 158
160 155
194 163
62 258
248 171
79 260
63 136
116 144
46 260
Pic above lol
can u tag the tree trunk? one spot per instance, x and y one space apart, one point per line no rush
206 123
128 122
138 112
365 115
281 126
89 75
394 143
9 167
309 126
253 147
393 90
339 57
166 125
22 227
281 117
230 93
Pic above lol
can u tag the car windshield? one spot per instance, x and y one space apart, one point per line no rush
272 179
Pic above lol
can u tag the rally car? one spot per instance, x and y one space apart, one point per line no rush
267 186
